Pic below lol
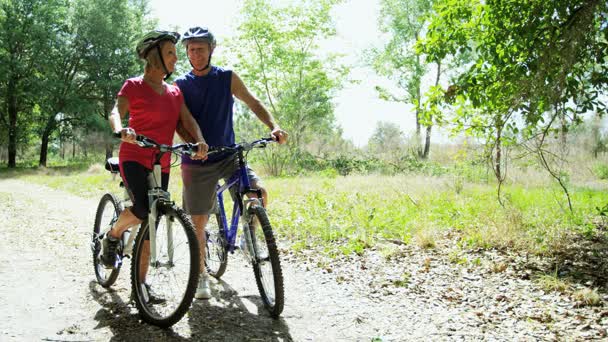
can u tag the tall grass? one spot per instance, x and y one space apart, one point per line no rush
349 214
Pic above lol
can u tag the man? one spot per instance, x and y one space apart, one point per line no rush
209 93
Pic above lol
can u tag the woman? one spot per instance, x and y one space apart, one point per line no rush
154 108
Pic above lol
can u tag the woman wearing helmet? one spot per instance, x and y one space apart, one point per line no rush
154 108
209 93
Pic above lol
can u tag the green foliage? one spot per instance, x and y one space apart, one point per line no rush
405 22
387 141
276 55
350 214
86 49
530 57
537 66
601 171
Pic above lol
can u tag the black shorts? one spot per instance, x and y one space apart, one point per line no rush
135 177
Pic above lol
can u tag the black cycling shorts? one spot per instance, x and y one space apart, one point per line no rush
135 177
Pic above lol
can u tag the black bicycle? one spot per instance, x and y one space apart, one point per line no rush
172 268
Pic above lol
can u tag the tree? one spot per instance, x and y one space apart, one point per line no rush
110 56
276 54
538 65
405 22
27 27
387 140
63 59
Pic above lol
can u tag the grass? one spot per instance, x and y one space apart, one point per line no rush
347 215
552 283
587 297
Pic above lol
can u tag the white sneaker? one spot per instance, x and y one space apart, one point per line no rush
203 291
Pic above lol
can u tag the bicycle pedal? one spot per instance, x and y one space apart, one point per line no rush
118 262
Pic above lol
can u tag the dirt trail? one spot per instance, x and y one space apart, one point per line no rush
48 292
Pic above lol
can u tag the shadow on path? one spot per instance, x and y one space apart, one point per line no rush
584 261
226 317
229 317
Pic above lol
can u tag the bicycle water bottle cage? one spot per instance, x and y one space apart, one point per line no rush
112 165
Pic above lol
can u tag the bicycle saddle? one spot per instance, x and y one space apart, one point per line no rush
112 165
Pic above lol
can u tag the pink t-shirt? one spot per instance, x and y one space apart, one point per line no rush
152 115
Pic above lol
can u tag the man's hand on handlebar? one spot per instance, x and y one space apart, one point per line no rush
279 135
201 152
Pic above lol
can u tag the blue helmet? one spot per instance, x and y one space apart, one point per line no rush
198 34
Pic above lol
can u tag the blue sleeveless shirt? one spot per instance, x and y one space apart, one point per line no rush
210 101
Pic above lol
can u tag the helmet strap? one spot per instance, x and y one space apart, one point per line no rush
162 61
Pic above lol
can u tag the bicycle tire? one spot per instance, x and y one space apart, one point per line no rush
104 279
216 256
147 310
271 290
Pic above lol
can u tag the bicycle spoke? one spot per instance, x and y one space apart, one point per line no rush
266 267
171 282
107 212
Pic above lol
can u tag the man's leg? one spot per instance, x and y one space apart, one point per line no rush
200 221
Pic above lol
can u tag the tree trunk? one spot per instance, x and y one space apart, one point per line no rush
498 160
62 145
44 146
12 123
107 107
429 127
44 149
418 126
427 142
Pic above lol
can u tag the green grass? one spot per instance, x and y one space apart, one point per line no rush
347 215
551 283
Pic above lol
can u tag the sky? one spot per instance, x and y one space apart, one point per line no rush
357 106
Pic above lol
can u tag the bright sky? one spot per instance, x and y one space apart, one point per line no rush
357 105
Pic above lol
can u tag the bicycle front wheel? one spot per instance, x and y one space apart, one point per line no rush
216 258
164 290
108 210
266 264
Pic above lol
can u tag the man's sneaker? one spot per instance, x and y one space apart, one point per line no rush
109 250
203 291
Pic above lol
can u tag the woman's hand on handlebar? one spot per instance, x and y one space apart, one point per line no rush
128 135
201 151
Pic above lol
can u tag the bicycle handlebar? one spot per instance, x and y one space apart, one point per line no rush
260 143
145 142
190 149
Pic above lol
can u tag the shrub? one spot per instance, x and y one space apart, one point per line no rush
601 171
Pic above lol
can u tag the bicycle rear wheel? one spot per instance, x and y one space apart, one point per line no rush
216 258
108 210
169 285
266 264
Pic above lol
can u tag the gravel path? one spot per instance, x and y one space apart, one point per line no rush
48 292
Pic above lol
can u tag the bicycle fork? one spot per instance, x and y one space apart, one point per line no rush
251 254
155 196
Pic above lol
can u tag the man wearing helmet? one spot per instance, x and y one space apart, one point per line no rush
154 108
209 93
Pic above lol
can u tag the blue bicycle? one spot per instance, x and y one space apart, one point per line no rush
258 243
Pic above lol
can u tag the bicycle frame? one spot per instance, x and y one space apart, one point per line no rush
156 195
240 180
